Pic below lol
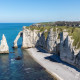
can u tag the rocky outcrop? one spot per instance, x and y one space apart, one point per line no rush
66 50
29 38
4 46
41 40
68 53
51 41
77 60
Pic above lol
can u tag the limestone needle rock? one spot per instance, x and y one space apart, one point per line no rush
4 46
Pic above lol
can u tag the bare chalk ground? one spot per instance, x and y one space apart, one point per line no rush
61 71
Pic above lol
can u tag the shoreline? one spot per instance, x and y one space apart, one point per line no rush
55 76
57 70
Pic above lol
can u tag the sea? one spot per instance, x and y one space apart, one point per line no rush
24 69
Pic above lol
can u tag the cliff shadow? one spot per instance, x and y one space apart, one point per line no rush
41 43
56 58
40 49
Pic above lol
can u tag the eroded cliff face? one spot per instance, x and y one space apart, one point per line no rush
4 46
63 46
30 38
66 50
51 41
68 53
36 38
77 60
41 40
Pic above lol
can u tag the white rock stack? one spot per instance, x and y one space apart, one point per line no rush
4 46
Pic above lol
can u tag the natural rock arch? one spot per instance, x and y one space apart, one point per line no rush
20 34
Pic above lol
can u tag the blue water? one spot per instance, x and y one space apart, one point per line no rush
24 69
10 30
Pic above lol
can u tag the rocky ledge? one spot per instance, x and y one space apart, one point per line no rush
4 46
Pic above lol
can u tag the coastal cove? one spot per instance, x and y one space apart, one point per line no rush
38 53
24 69
39 40
61 57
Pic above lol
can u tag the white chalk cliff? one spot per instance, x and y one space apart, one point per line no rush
41 40
51 41
63 46
4 46
36 38
68 53
29 38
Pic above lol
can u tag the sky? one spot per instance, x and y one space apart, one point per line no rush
29 11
